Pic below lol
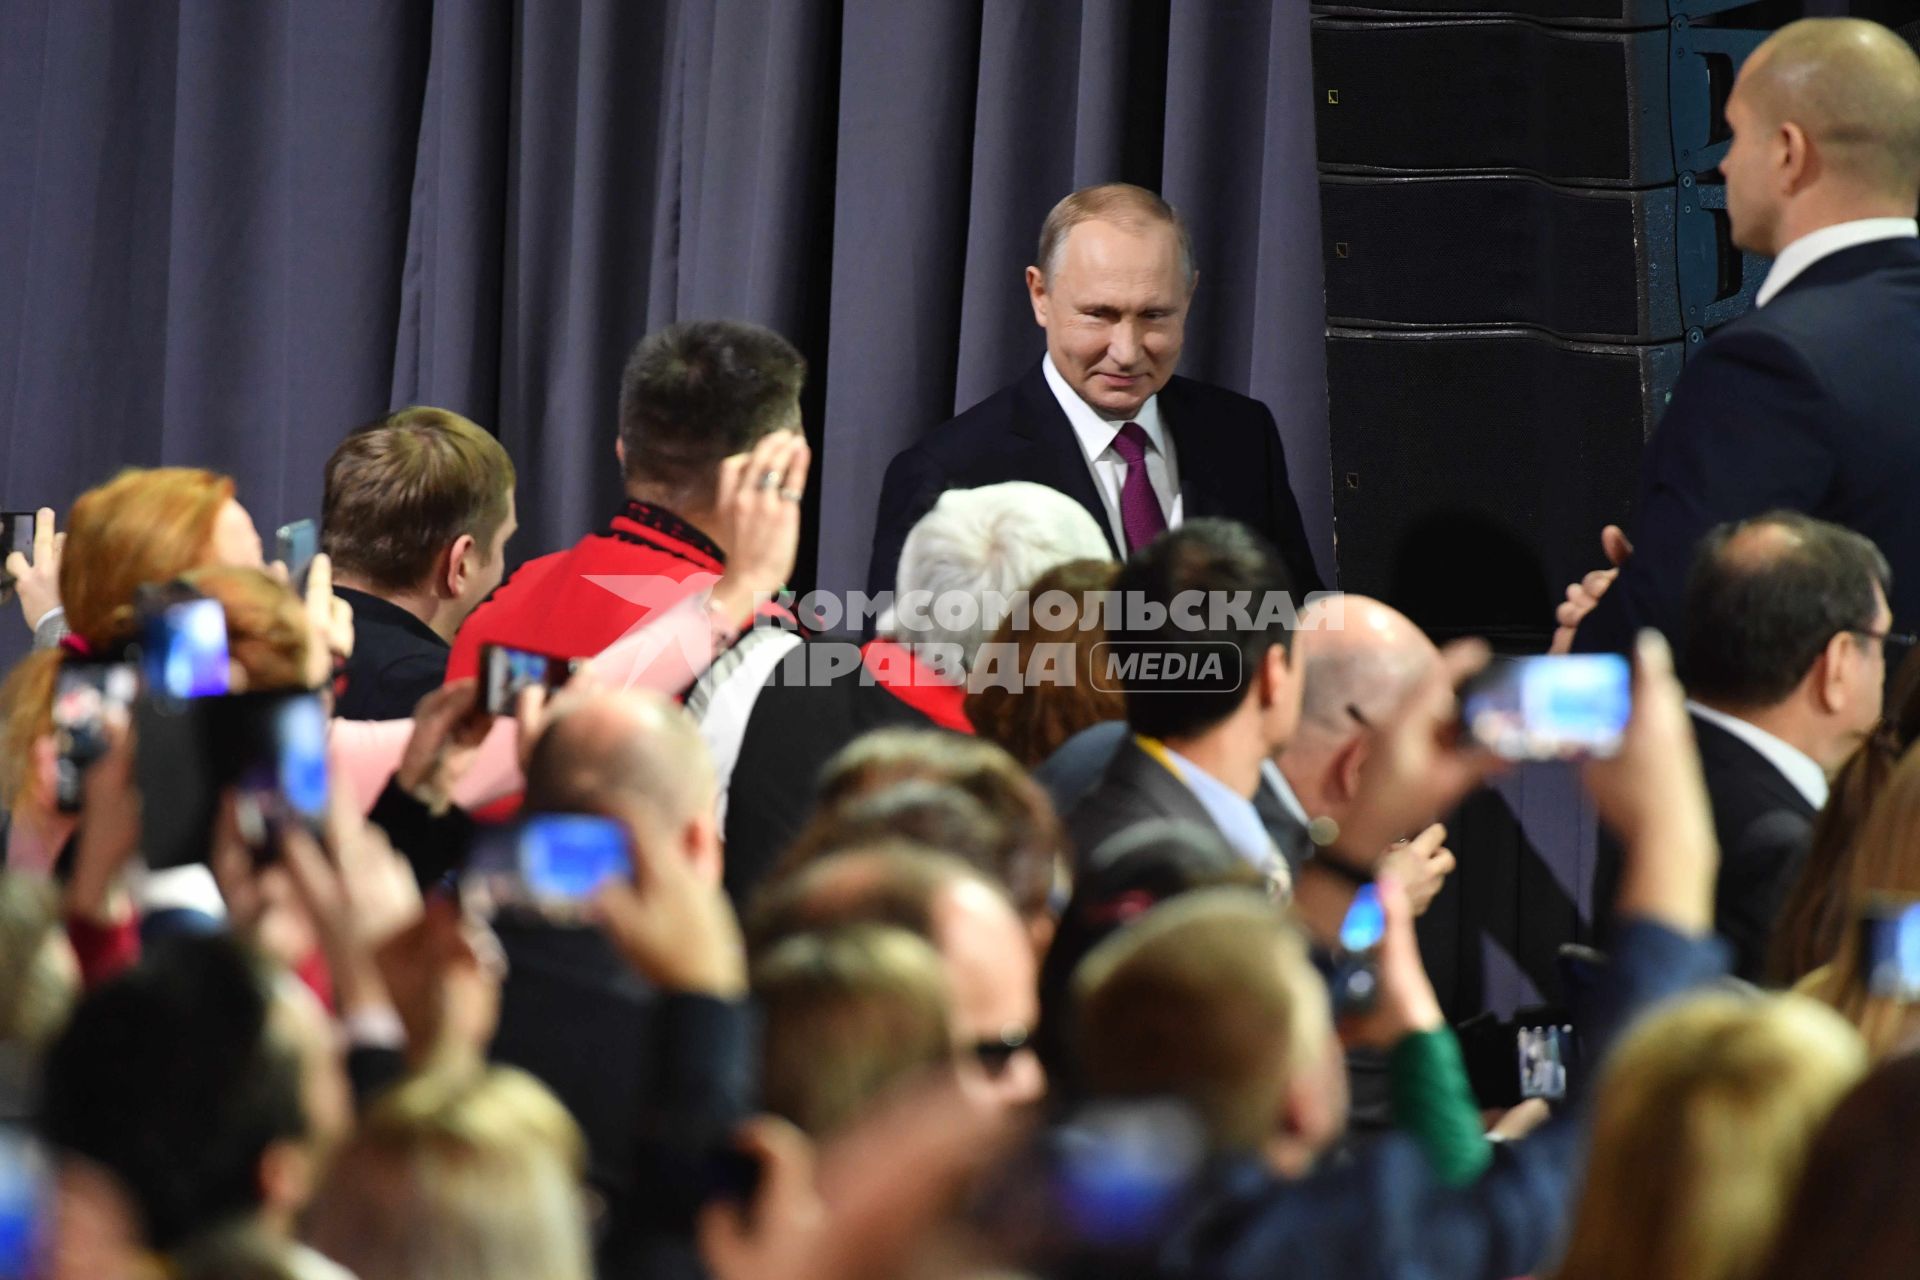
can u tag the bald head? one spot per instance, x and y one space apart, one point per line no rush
628 748
1357 652
1852 88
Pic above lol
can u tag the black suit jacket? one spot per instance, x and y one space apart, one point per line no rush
1810 403
397 660
1764 826
1135 788
1230 457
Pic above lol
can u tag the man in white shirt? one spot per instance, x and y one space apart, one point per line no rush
1812 401
1784 658
1102 416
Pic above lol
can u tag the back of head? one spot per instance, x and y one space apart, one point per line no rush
1853 1214
694 394
621 748
1704 1116
1126 877
1210 1000
1047 702
172 1079
1356 652
1018 846
849 1014
1854 87
1764 596
143 526
456 1177
400 491
1121 203
891 882
1208 587
966 558
37 978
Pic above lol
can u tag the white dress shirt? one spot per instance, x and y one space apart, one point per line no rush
1815 245
1799 768
1096 436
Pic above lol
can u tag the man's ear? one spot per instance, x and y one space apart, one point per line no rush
1800 163
701 842
1830 672
1276 675
456 571
1037 294
287 1177
1347 763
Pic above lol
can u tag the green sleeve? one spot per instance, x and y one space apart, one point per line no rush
1433 1103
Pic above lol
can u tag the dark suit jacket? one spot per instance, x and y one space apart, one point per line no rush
1811 403
397 660
1764 825
1231 465
1134 789
795 727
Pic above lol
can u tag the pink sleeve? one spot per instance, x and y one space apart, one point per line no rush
665 655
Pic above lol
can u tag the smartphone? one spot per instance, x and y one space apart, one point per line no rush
278 761
1550 708
295 546
551 863
85 696
25 1205
16 534
504 672
1356 964
183 644
1543 1053
269 748
1890 948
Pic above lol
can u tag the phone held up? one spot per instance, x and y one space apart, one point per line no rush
505 672
550 865
1549 708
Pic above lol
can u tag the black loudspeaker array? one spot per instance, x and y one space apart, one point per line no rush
1525 234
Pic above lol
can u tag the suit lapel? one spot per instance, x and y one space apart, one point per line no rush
1056 459
1198 493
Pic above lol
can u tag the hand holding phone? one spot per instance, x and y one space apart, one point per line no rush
295 545
505 672
87 698
1356 962
183 643
1549 708
551 863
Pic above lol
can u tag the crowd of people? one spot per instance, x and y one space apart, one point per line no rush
629 920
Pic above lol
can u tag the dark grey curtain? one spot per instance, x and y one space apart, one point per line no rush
230 230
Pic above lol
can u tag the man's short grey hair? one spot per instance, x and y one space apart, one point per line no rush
975 550
1120 203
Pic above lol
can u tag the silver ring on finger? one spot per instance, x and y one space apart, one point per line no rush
791 495
768 479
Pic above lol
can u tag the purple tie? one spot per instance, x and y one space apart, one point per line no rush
1140 513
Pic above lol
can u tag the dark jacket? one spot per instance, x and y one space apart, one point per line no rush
1136 788
397 660
1810 403
1765 827
1231 462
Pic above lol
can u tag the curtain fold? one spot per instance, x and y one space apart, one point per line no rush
232 230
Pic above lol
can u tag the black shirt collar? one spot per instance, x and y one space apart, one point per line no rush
668 525
371 608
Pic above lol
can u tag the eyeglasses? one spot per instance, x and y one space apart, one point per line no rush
1903 640
994 1053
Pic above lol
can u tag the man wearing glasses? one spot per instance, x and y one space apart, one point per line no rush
1784 654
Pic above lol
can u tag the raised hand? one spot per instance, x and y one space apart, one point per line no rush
37 580
759 499
1584 595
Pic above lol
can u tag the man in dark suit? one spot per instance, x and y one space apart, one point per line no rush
1812 402
1200 732
1101 417
1783 656
417 511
